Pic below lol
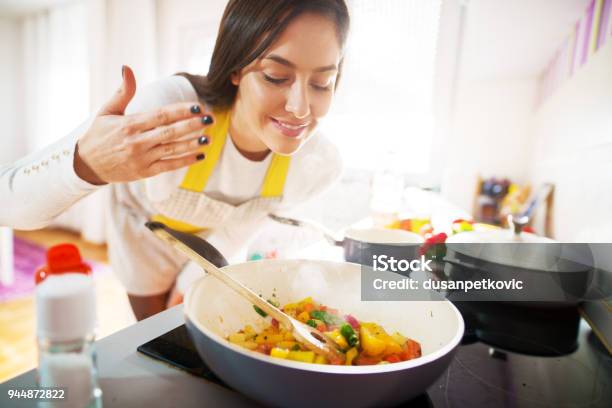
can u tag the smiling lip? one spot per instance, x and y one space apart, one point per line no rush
290 129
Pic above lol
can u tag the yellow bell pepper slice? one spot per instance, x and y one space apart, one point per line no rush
371 342
304 317
279 353
350 356
319 359
303 356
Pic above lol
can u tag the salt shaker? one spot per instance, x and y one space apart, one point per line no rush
66 321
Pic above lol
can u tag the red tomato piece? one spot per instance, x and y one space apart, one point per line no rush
393 358
362 359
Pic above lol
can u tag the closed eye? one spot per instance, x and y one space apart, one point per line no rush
321 88
274 80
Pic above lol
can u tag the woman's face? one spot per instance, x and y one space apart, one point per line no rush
283 94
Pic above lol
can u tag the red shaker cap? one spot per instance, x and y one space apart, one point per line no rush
62 258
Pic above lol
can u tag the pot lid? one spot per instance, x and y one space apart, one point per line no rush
384 236
497 236
528 251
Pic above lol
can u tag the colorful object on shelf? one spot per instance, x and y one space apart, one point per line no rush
491 193
589 34
529 229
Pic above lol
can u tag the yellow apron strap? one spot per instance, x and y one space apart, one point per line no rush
274 182
198 174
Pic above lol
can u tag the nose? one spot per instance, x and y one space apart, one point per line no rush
297 101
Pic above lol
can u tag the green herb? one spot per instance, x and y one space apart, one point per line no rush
259 311
325 317
296 347
349 334
312 323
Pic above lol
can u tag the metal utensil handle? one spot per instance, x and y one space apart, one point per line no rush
327 233
165 233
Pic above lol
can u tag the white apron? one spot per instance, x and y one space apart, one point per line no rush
146 265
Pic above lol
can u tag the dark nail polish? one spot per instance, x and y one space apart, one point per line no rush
203 140
207 120
195 109
200 156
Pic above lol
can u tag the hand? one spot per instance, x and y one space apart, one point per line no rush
119 148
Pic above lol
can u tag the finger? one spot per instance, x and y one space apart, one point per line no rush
162 166
118 102
165 134
168 115
174 149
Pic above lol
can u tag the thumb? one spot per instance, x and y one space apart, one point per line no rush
118 102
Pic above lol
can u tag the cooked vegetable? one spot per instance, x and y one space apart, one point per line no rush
260 312
303 356
364 343
338 338
350 356
349 334
326 317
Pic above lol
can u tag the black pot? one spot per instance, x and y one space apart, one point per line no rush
553 274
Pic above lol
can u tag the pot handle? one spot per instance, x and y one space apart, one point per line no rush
324 231
204 248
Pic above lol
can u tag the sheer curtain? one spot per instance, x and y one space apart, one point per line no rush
56 73
72 57
384 106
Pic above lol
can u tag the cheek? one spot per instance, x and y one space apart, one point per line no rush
264 101
321 103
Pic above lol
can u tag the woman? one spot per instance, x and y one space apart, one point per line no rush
271 80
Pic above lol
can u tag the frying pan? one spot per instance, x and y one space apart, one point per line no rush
213 311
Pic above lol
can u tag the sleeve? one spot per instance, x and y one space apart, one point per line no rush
38 187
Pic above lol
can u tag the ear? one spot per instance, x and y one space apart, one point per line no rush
235 78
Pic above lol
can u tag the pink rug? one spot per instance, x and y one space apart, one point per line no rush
28 257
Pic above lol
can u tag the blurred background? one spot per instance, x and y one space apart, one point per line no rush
447 109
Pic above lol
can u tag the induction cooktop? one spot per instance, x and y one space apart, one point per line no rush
509 357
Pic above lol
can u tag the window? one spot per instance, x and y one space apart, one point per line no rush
383 113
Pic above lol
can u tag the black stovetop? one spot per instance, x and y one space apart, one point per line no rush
510 356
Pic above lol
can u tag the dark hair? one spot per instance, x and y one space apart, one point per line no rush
247 29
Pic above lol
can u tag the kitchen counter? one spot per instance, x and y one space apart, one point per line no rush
480 375
131 379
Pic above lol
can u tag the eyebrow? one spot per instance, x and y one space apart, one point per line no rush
282 61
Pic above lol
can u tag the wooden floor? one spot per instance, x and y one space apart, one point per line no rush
17 318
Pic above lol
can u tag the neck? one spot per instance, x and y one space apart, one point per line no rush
251 147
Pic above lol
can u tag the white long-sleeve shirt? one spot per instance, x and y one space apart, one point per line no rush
38 187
